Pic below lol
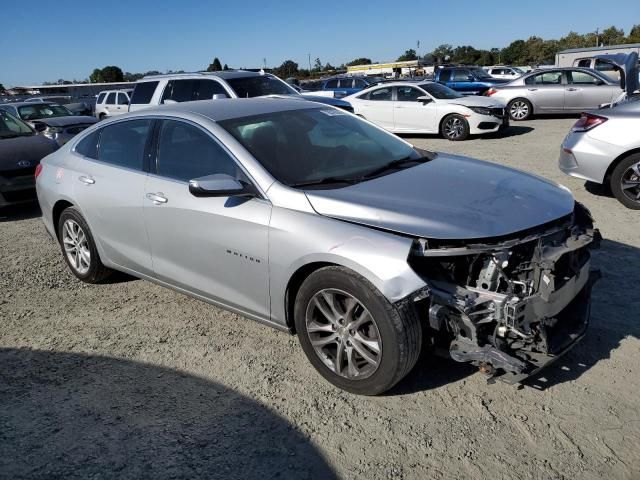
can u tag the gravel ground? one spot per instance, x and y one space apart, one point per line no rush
130 380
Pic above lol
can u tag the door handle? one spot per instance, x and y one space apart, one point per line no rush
86 180
532 89
157 198
572 89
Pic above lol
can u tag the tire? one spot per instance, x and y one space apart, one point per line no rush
391 336
79 248
520 109
627 174
103 116
454 127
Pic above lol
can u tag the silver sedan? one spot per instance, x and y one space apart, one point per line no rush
312 220
556 90
604 147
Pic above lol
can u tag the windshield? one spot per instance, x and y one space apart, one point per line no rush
247 87
479 73
11 126
35 111
312 145
440 92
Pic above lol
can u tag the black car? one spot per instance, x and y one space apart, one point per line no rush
21 150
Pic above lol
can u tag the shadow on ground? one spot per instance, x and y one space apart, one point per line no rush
20 212
512 131
65 415
599 190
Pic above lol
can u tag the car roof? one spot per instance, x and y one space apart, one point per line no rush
225 74
30 104
218 110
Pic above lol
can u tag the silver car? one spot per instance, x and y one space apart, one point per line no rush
314 221
604 147
556 90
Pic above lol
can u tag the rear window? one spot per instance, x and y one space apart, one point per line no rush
143 92
88 146
122 144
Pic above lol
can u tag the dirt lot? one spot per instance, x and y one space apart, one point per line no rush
129 380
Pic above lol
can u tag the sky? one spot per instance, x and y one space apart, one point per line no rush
48 40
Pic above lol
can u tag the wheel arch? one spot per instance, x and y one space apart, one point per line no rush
612 166
59 207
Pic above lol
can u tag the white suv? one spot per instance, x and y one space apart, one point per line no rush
111 103
504 71
184 87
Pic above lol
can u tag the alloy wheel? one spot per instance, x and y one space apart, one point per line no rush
453 128
76 246
343 334
519 110
630 182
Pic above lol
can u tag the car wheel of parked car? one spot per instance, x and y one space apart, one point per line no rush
625 182
520 109
455 127
352 334
79 249
103 116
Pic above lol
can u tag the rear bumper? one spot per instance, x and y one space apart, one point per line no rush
585 157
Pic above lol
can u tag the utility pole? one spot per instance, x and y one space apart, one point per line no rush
309 63
597 42
264 62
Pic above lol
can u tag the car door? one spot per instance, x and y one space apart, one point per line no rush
215 247
586 91
546 90
122 105
110 179
463 81
345 87
377 106
110 103
411 114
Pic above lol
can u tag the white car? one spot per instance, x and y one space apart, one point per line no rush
429 107
504 71
111 103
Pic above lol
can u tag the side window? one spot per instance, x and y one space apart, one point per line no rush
122 144
332 83
185 152
88 146
380 94
585 63
605 67
346 83
143 92
577 77
359 83
461 75
122 99
111 99
546 78
206 89
181 90
445 75
101 97
408 94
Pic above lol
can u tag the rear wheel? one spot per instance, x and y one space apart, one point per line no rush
625 182
103 116
520 109
455 127
79 248
352 335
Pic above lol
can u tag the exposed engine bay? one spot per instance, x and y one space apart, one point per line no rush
509 305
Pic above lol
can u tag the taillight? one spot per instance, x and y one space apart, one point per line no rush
588 121
38 169
490 92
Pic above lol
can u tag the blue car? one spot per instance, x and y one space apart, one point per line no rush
467 80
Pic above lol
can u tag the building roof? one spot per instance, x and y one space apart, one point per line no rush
598 49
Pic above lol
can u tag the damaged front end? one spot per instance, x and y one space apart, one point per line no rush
509 305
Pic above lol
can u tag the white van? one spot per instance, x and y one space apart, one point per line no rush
111 103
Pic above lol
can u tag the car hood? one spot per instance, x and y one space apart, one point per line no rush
450 197
628 62
476 101
66 121
24 149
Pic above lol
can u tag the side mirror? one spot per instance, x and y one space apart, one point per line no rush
425 99
219 96
220 185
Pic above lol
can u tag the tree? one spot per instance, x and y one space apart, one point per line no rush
111 73
225 67
408 55
612 36
96 76
440 53
515 53
2 89
288 68
634 35
359 61
317 66
214 66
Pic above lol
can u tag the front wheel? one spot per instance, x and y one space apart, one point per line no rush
520 109
625 182
352 335
455 127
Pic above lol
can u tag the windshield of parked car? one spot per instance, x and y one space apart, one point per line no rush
36 111
11 126
439 91
323 146
479 73
247 87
